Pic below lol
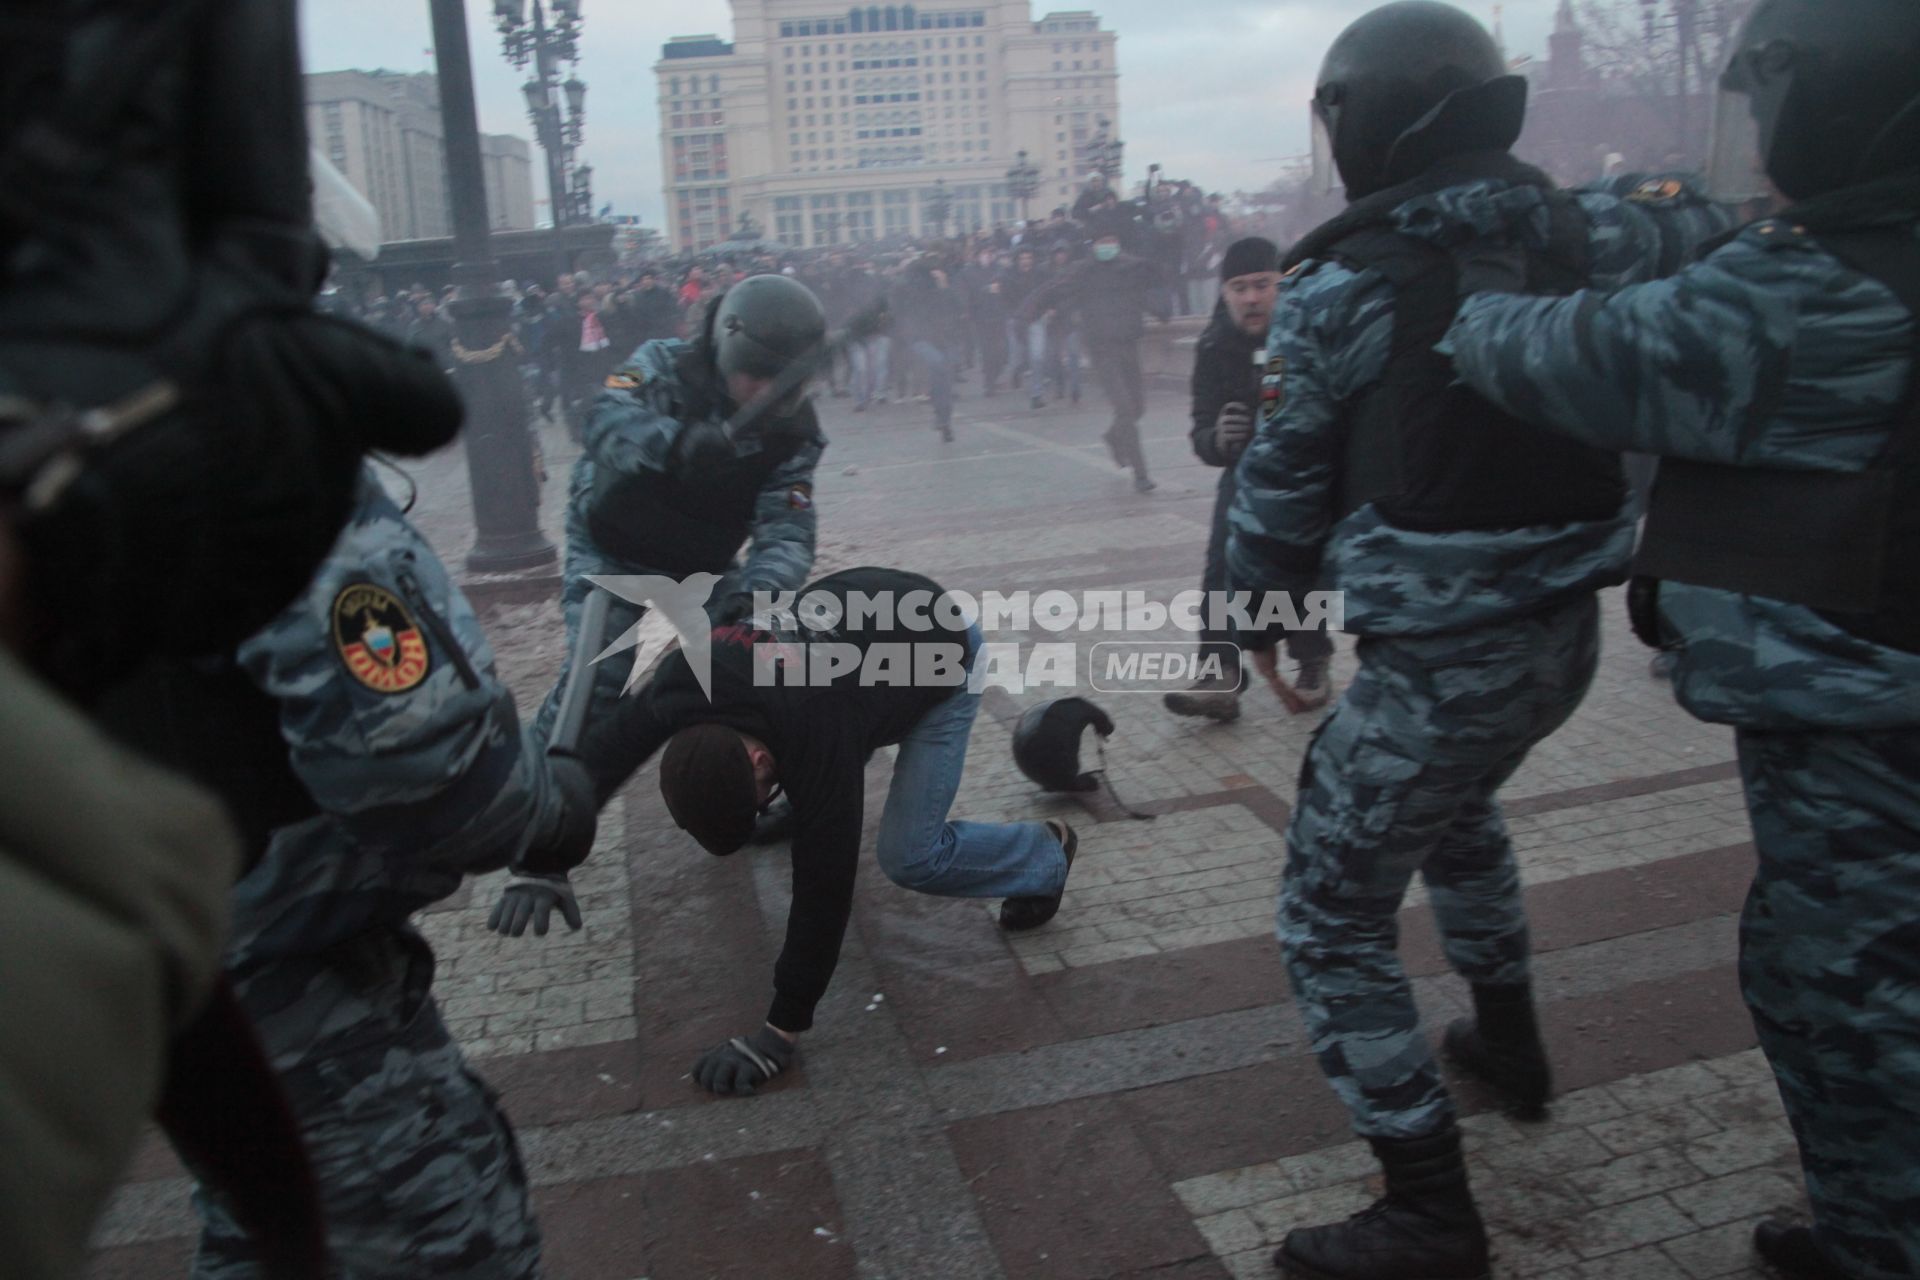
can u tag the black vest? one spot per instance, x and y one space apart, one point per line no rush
1430 454
689 519
1846 544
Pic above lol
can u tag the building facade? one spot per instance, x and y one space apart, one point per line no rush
829 126
381 130
507 164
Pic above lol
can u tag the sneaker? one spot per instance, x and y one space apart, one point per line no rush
1143 484
1313 684
1038 403
946 432
1214 698
1019 914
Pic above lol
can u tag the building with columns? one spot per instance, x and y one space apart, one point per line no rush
830 125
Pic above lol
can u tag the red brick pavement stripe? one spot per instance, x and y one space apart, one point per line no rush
1282 1108
1068 1192
991 1007
741 1219
1620 790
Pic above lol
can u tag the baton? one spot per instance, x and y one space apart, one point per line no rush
571 720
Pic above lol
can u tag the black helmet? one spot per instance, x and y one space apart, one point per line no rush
1409 84
1832 89
765 323
1046 743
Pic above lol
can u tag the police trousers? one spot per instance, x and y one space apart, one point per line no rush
418 1171
1400 780
1830 969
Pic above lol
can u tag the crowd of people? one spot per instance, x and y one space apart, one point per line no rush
1022 308
1422 404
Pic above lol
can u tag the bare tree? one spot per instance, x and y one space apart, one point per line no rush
1661 47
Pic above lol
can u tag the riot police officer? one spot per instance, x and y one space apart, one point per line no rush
1775 378
1470 550
664 487
402 769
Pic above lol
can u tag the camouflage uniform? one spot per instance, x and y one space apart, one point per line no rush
633 429
412 754
1771 352
1475 646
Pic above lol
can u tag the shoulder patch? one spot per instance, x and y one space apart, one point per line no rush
378 641
1658 191
800 497
625 381
1273 388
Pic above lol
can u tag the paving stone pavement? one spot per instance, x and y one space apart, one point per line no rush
1126 1092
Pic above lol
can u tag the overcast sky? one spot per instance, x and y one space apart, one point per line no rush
1214 90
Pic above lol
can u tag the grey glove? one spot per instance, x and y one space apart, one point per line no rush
744 1063
531 899
1232 430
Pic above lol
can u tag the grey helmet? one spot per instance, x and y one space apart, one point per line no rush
765 324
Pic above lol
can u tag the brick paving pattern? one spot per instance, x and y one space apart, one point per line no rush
1128 1091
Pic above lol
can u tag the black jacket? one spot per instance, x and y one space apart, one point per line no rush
1224 371
820 737
1109 297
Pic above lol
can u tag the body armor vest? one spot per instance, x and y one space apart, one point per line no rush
1846 544
1430 454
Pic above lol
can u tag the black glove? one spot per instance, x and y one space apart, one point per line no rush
531 899
744 1063
1232 430
703 445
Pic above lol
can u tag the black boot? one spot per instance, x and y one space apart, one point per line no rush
1425 1228
1793 1253
1501 1046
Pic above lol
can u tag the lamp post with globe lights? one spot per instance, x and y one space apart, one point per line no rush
939 202
506 495
1022 181
557 108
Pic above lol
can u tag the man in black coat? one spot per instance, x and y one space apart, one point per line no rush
1226 387
1111 293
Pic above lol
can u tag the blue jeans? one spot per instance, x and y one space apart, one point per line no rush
1036 359
869 360
920 850
939 369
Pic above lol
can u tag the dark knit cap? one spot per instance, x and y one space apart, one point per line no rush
1249 257
707 780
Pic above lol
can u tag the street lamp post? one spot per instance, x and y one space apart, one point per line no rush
1022 181
556 109
506 497
1104 151
939 206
